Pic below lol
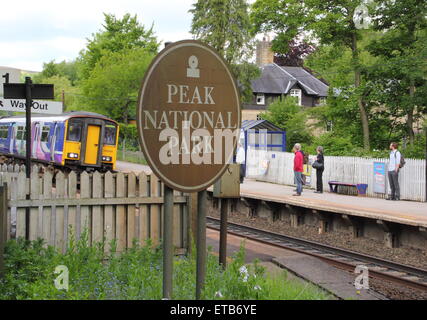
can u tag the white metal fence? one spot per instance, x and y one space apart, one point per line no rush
277 167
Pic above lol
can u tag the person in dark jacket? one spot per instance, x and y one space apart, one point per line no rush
319 171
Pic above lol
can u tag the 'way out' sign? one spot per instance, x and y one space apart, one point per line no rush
39 106
188 116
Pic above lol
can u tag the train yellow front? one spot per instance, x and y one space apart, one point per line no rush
76 140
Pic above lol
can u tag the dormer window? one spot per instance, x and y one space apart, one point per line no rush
296 93
260 99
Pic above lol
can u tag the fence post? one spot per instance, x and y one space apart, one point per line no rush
3 225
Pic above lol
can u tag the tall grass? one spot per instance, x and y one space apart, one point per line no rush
135 274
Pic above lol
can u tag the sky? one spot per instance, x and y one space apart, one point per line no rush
35 32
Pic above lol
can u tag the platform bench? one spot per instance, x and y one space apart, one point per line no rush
360 187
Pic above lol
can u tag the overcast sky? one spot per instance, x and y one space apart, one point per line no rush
33 32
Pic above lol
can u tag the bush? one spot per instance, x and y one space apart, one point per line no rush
128 134
335 145
136 273
288 115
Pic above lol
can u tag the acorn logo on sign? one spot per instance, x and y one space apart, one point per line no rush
192 71
188 116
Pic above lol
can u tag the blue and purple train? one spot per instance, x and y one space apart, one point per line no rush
76 140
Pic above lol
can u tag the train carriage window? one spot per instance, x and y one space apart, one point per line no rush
110 133
74 130
45 134
21 133
4 130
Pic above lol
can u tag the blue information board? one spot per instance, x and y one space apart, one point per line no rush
380 177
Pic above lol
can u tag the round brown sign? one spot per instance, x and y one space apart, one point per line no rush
188 116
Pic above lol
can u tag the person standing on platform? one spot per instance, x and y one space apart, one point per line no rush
393 171
240 158
319 165
298 168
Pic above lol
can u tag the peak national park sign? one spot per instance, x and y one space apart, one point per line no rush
188 116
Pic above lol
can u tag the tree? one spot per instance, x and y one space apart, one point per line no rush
117 35
400 74
225 25
329 21
287 114
294 56
113 85
245 72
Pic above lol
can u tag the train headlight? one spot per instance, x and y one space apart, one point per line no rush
73 155
107 159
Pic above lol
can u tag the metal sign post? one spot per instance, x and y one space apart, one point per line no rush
201 242
28 91
167 243
223 233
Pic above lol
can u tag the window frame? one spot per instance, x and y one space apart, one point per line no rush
110 124
69 125
4 129
297 93
43 131
262 97
20 130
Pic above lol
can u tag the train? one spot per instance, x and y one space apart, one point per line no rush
81 141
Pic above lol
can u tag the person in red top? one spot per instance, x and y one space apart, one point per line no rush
298 168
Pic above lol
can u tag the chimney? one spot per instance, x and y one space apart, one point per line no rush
264 55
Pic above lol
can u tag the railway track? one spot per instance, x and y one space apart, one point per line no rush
378 268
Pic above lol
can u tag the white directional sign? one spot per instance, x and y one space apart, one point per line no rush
39 106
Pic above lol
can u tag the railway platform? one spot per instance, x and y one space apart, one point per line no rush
397 223
402 212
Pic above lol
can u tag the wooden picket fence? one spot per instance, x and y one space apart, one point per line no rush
109 206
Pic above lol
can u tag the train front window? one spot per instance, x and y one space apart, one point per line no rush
74 130
110 134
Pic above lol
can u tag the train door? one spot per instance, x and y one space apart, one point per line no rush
53 142
36 140
12 138
92 144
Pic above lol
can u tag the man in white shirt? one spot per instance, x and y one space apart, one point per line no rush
393 171
240 158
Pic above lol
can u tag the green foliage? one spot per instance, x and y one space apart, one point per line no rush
417 150
128 134
288 115
112 86
225 25
64 69
245 72
117 35
97 273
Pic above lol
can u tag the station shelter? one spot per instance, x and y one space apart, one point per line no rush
262 135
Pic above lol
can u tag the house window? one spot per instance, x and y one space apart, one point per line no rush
260 99
322 101
258 116
296 93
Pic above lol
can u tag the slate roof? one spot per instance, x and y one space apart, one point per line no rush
279 80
